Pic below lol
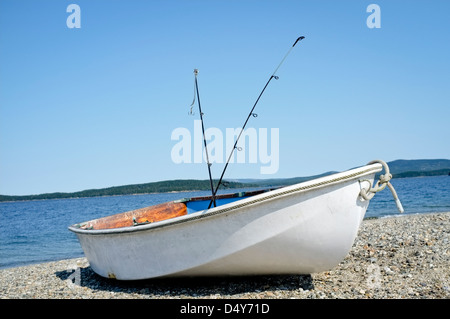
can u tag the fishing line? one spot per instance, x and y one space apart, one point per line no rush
273 76
191 112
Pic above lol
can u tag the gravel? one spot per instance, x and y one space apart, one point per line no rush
396 257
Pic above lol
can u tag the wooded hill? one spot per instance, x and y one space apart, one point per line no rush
399 169
155 187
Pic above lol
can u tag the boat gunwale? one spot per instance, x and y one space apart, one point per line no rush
264 196
225 196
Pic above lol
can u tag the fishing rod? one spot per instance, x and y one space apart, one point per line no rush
273 76
213 200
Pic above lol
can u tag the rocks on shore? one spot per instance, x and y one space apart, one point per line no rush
398 257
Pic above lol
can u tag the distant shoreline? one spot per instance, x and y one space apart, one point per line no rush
99 196
135 194
164 187
183 186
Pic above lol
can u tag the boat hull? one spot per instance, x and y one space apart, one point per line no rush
300 229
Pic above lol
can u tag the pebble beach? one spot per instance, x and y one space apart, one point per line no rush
401 257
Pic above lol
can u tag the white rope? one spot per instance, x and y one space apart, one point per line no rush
384 180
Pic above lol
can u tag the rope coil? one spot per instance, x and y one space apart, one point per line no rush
384 180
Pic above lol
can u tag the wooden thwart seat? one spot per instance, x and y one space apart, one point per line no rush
139 216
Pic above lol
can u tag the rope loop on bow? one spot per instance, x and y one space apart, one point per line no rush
384 180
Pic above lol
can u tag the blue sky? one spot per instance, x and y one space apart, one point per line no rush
95 106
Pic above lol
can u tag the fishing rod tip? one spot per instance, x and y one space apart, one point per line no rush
298 39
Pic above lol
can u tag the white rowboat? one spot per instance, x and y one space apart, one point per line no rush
299 229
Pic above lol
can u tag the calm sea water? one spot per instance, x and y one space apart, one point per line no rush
36 231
